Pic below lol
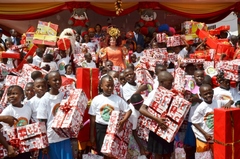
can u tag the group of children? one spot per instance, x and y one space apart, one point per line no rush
118 90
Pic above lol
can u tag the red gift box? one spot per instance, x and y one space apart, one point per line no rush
64 44
87 79
226 133
211 41
13 55
224 48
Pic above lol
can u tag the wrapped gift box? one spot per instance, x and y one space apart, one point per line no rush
67 121
143 77
172 57
115 143
226 133
47 28
190 28
3 152
173 41
232 66
13 55
44 40
78 59
87 79
211 41
29 39
142 130
162 100
207 64
179 79
224 48
114 147
28 69
161 37
232 76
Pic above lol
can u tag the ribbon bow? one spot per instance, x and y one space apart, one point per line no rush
66 108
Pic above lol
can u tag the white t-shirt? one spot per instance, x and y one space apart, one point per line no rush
102 106
182 54
33 104
52 64
62 63
135 64
72 76
148 101
37 60
86 64
204 116
138 55
134 116
23 114
128 91
223 94
156 83
47 109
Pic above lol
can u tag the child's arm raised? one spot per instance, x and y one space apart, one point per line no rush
161 121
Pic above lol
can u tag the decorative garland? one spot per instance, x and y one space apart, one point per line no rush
118 6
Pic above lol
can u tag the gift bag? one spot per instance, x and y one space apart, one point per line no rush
91 156
204 155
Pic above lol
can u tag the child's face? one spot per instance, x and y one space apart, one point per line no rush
139 49
40 88
45 59
88 57
133 58
225 84
29 92
15 96
177 49
98 28
129 76
168 83
122 79
107 86
55 80
8 44
69 70
199 76
207 94
109 65
62 53
86 38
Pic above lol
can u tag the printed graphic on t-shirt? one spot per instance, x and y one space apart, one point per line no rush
208 118
22 121
224 97
106 111
61 66
55 109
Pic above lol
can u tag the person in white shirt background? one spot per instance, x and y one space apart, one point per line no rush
138 52
65 59
88 62
48 62
37 59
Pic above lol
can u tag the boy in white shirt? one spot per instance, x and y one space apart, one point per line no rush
202 118
48 63
138 52
65 59
88 63
38 58
158 68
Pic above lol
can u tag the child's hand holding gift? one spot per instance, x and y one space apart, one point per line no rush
161 123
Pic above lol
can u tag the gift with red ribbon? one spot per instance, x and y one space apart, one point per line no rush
13 55
64 44
226 133
115 143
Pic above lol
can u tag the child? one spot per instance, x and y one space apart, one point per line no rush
225 91
202 118
117 89
59 148
138 52
122 79
88 63
29 92
40 88
136 102
48 61
134 60
22 113
100 111
38 58
109 65
158 68
36 74
65 59
131 86
69 72
156 145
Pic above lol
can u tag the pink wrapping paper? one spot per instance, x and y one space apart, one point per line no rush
68 123
172 57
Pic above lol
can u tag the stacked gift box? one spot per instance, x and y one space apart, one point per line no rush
46 34
142 130
226 133
69 117
115 143
190 28
170 106
26 138
231 69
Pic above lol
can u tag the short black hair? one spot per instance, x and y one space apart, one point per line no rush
66 66
15 86
36 74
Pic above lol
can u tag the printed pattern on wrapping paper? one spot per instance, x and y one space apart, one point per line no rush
232 76
161 37
78 59
232 66
67 124
179 80
142 130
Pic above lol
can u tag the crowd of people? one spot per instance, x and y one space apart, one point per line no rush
117 56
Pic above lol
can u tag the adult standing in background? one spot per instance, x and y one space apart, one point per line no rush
2 43
138 37
16 40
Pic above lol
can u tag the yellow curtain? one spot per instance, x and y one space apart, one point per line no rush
111 6
26 8
197 8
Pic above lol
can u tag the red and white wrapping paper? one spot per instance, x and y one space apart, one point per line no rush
186 61
10 133
162 100
232 66
173 41
232 76
28 69
67 121
179 79
142 131
117 89
172 57
161 37
143 77
3 152
78 59
115 143
207 64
